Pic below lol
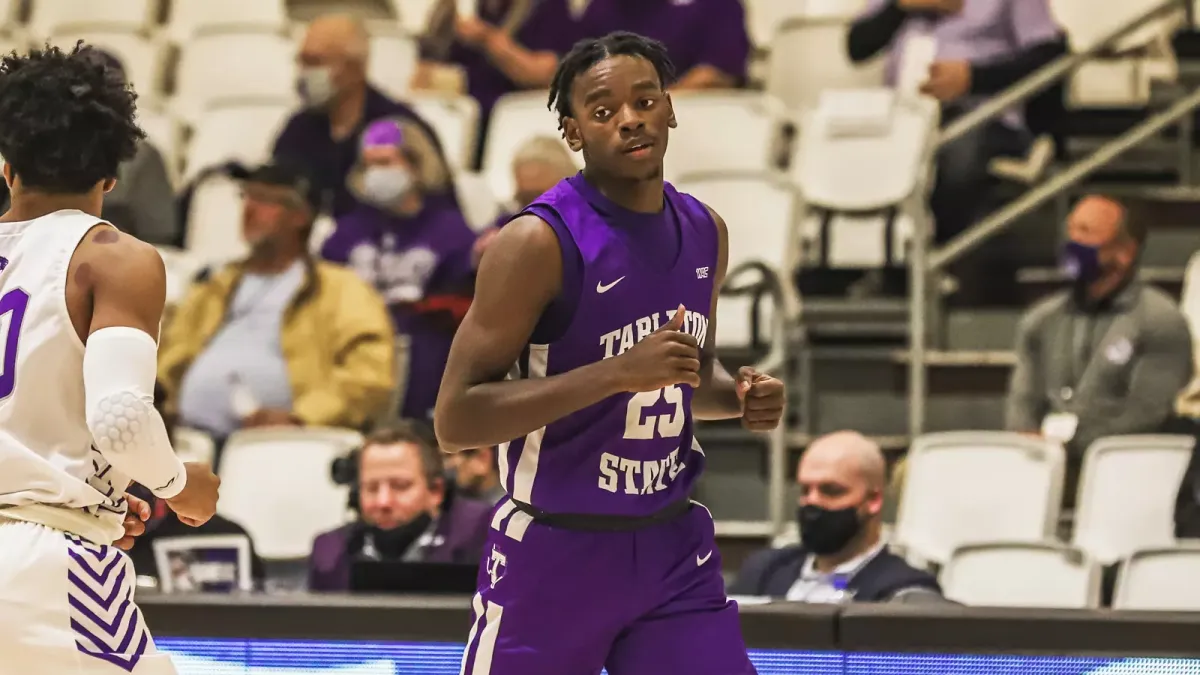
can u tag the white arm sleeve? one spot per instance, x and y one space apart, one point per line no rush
119 368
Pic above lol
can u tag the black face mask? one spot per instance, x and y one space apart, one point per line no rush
394 543
824 531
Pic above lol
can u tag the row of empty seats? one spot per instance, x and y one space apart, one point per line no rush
1052 575
964 488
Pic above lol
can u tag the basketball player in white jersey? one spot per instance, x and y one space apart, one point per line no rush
80 306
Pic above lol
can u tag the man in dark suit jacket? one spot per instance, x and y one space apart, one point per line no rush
842 556
405 511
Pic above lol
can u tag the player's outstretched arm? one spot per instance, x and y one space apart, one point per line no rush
126 281
757 398
518 277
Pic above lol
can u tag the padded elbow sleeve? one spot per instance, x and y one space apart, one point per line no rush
119 369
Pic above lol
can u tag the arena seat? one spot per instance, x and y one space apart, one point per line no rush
413 15
142 57
479 205
978 486
242 130
1162 579
214 221
181 267
9 17
49 17
189 19
276 483
393 60
1112 520
455 120
1022 574
808 56
165 133
723 131
193 445
226 65
759 209
516 118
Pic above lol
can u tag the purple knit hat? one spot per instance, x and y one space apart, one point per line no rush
385 132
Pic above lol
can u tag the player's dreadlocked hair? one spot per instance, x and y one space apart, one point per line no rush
587 53
67 120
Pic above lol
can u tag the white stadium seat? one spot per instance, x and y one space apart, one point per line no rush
275 482
722 131
9 16
189 19
455 120
214 221
759 210
1047 575
231 65
393 62
1111 520
49 17
141 57
978 486
244 131
181 267
809 56
1162 579
193 445
479 206
515 119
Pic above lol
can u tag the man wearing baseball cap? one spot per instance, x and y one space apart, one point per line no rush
278 338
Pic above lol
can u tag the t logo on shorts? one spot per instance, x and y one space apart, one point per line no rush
497 566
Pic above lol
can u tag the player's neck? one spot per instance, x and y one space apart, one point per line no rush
638 195
29 206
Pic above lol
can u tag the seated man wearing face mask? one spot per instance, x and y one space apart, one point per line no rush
1105 357
414 248
405 512
339 103
842 556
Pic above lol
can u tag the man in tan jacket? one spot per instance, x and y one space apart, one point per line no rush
278 338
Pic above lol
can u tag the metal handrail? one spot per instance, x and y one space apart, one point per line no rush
1048 75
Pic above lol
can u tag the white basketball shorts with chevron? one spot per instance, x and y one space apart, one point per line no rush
66 607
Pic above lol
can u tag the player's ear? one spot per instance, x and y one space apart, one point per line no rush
8 175
570 130
109 184
671 123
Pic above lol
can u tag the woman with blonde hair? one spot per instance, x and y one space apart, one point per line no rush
412 245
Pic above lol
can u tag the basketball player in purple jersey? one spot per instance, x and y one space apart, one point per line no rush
602 292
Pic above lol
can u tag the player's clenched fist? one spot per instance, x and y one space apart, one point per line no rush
197 502
763 399
667 356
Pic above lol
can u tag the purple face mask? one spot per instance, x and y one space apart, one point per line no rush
1080 262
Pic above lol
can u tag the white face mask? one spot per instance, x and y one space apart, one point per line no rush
385 185
316 86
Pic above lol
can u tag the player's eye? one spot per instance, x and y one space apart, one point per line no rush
601 113
648 102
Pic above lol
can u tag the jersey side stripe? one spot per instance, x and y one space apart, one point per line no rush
527 463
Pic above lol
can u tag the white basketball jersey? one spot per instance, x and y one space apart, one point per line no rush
49 471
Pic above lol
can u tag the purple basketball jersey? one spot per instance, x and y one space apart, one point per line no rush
624 275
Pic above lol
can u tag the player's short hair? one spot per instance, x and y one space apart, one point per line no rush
413 433
587 53
67 118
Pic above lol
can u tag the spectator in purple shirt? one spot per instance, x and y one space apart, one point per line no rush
508 46
339 103
414 247
405 511
983 47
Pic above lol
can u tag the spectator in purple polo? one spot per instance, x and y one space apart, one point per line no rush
413 246
540 163
507 46
338 104
983 47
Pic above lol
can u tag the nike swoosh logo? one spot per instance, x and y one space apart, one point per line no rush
604 288
169 484
700 560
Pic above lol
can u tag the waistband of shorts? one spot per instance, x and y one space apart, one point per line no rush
594 522
71 521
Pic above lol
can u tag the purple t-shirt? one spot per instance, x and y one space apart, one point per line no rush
695 32
625 274
408 260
